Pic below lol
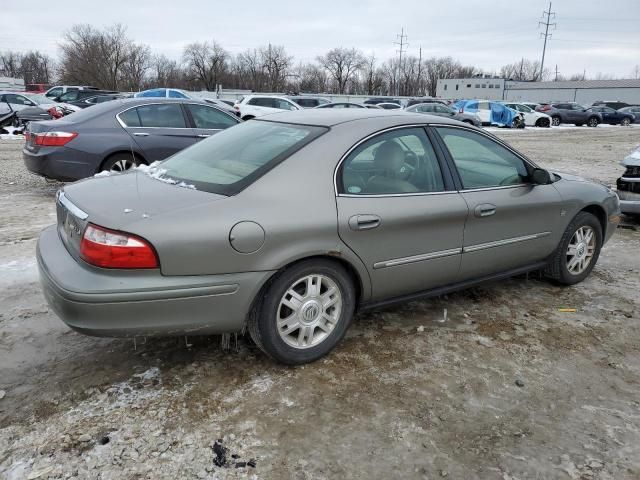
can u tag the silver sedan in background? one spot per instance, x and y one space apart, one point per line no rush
441 110
287 225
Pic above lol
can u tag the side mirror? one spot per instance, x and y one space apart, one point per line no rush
539 176
56 99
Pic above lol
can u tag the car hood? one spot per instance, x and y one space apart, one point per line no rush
632 160
120 201
570 177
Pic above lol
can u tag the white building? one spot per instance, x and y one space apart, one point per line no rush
585 91
486 87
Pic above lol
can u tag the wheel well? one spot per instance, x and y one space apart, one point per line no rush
139 157
600 214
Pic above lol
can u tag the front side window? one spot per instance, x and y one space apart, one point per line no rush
482 162
70 96
161 116
210 118
17 99
283 104
397 162
55 92
230 160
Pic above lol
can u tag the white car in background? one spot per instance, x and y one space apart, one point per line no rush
531 117
20 101
252 106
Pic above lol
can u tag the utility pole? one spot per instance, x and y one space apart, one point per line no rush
420 71
549 14
403 46
556 79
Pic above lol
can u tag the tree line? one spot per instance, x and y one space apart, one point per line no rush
111 59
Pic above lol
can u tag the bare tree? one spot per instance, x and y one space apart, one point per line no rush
136 66
373 76
342 64
524 71
275 64
312 78
32 67
206 62
91 56
251 68
165 72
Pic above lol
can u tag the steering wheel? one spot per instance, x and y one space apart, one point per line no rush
407 170
511 180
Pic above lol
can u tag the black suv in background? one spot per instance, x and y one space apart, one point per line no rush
309 102
73 96
615 105
570 112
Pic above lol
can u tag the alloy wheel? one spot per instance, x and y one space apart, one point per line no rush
122 165
625 122
555 121
580 250
309 311
593 122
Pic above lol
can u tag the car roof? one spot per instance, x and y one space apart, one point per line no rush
328 117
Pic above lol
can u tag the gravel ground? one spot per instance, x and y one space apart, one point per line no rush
508 387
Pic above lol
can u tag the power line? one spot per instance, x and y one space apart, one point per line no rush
546 33
403 47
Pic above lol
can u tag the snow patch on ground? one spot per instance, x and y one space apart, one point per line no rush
19 270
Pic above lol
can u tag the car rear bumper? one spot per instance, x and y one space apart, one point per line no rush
59 163
121 303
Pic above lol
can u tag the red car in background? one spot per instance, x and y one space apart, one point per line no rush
37 87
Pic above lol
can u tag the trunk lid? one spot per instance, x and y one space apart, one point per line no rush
129 202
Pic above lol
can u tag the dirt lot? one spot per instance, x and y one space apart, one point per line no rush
405 395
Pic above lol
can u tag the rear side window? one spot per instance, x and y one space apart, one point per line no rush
130 118
482 162
262 102
397 162
70 96
283 104
209 117
161 116
307 102
234 158
176 94
158 93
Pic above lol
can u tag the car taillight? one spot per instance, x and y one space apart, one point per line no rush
110 249
54 139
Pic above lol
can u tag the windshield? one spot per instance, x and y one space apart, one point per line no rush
234 158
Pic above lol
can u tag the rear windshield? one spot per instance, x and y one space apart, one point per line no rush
231 160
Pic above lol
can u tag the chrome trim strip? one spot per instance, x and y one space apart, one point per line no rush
66 203
417 258
384 195
506 241
499 187
630 179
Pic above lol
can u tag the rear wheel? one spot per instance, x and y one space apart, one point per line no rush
593 122
555 121
120 162
625 122
304 312
578 250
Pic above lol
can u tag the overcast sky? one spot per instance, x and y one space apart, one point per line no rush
599 36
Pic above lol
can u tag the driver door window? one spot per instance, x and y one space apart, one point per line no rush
396 162
482 162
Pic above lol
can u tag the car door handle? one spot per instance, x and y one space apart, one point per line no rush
364 222
485 210
141 134
202 135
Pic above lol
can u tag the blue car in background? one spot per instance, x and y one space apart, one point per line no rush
177 93
491 113
613 117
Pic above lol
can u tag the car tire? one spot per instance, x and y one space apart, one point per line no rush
302 340
593 122
543 122
555 121
571 249
120 162
625 122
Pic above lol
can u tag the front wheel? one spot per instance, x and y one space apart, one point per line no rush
304 312
625 122
578 250
593 122
555 121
